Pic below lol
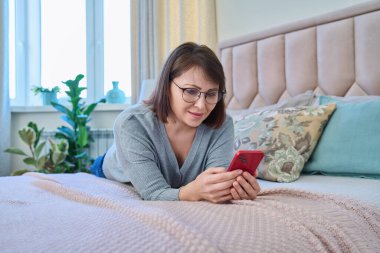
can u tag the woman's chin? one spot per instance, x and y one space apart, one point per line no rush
194 122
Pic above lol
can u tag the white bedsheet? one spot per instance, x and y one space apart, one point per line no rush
367 190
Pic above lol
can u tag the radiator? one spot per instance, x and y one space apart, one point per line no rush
103 139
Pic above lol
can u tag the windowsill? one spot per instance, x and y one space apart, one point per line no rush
47 108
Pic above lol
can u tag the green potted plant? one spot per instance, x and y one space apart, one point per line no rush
71 154
48 95
51 162
77 133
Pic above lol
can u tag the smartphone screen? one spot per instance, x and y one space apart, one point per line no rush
246 160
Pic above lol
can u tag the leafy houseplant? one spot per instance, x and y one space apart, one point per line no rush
48 95
52 162
77 133
70 155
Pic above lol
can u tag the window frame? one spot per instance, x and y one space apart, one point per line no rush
28 51
27 19
94 49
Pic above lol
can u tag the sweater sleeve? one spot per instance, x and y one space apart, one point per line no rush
136 157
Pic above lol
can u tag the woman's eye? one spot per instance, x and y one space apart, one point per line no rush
192 92
212 94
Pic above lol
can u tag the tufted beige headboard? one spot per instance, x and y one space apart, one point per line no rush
335 54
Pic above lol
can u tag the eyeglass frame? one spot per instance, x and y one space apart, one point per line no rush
200 93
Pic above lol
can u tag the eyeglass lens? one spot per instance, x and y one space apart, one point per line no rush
191 95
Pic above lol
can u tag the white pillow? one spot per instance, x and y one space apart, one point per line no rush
303 99
349 99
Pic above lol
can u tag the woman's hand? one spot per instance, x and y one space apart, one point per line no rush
245 187
214 185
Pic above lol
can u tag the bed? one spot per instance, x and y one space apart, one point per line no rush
318 197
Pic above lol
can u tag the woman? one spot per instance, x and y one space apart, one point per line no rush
177 144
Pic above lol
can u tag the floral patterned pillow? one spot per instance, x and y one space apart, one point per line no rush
287 136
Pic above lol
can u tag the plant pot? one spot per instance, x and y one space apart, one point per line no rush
48 97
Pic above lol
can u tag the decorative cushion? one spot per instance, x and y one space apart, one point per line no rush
287 137
350 143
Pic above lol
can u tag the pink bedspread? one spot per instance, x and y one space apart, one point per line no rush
83 213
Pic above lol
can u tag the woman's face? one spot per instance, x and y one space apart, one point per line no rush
194 113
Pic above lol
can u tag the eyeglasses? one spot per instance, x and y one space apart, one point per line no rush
191 95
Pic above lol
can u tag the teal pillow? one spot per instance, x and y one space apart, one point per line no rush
350 143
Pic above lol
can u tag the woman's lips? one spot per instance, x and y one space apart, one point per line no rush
196 115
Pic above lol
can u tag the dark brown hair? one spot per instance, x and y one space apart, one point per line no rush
183 58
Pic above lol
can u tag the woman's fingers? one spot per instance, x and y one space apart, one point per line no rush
252 181
246 186
241 190
215 170
221 193
235 194
219 196
224 198
219 174
220 186
214 184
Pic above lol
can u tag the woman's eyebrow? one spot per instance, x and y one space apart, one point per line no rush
199 88
193 85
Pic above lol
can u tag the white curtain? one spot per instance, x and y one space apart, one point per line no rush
144 43
5 115
159 26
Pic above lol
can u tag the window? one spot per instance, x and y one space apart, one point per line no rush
11 43
54 40
63 42
117 56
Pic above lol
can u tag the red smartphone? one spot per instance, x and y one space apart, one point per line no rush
246 160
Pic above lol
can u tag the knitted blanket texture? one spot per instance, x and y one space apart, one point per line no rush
83 213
